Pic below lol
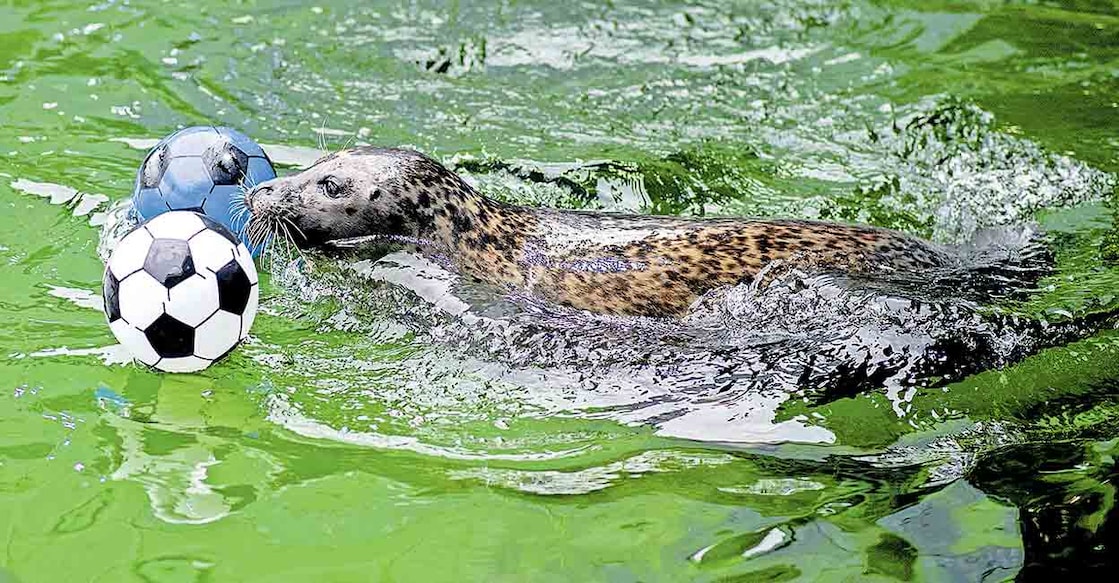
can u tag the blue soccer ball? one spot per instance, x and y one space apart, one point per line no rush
204 169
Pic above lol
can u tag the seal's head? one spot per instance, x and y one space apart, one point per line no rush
354 193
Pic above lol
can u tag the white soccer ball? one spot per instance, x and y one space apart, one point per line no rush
180 292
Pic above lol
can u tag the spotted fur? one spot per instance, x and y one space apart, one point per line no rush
602 262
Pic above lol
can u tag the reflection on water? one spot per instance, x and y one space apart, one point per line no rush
1064 492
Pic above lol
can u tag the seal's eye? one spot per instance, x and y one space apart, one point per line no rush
330 187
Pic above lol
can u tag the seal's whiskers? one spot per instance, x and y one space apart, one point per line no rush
291 240
322 138
290 222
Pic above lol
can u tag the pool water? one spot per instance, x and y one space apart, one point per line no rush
390 421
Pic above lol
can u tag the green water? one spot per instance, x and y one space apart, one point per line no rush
346 442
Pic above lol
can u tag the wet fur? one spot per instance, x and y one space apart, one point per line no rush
602 262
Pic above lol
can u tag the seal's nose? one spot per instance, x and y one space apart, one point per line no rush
254 196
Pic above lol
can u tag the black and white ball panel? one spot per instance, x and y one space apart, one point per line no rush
154 167
137 343
226 163
194 300
211 250
220 229
191 142
234 287
180 226
130 254
142 299
224 327
170 338
111 287
169 262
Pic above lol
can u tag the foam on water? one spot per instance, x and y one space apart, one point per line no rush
721 374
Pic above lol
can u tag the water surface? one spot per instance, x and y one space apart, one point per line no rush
389 421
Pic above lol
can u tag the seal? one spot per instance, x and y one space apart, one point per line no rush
602 262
